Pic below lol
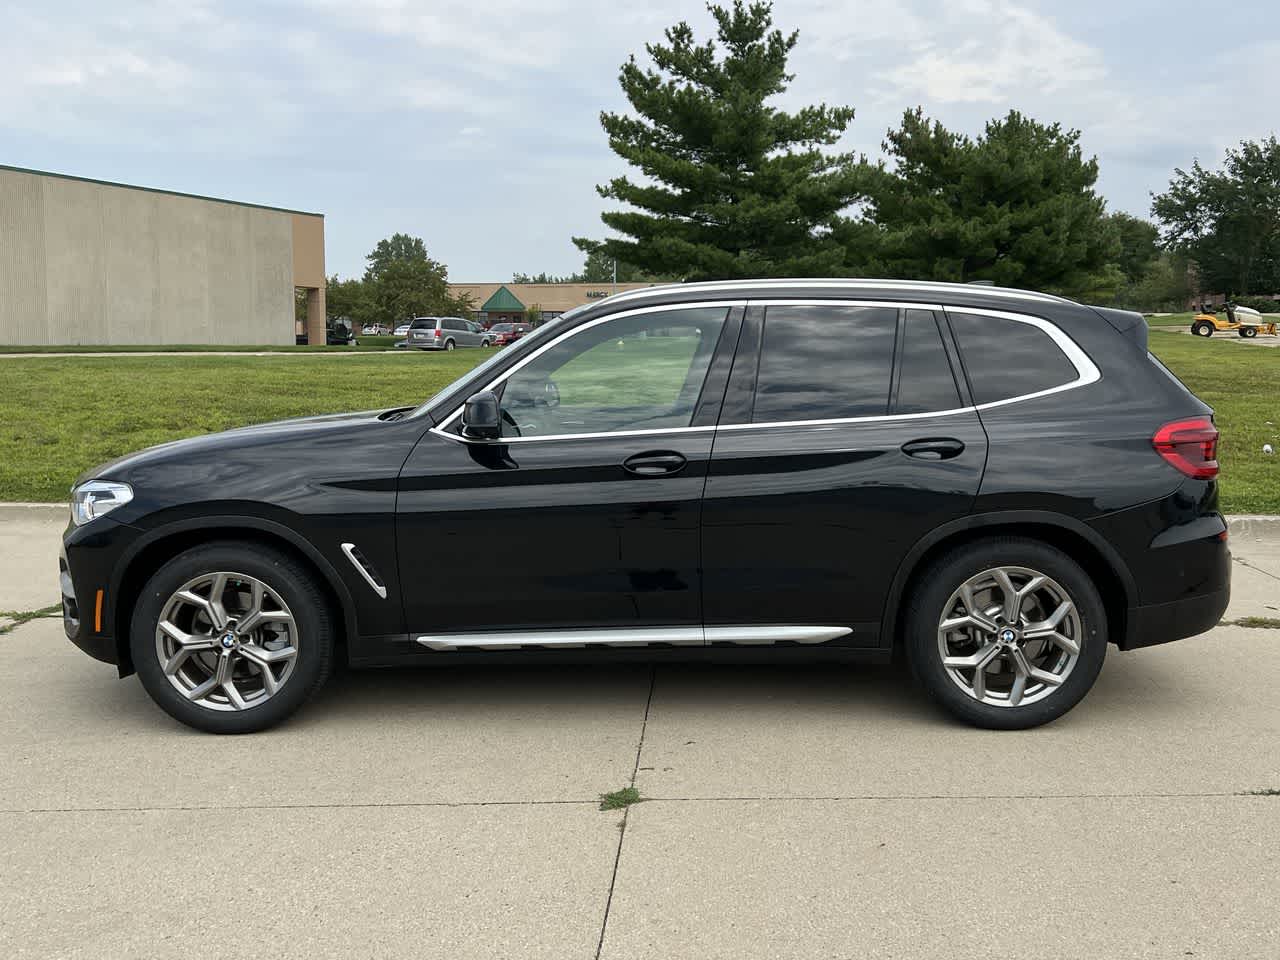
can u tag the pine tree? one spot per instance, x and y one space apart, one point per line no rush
732 187
1016 206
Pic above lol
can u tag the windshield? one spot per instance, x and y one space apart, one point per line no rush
422 324
501 328
530 342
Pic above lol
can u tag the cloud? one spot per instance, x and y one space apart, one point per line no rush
476 124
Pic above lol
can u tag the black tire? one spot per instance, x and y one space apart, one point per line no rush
449 344
1248 332
285 575
934 587
1202 329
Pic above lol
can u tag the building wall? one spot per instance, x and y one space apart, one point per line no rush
93 263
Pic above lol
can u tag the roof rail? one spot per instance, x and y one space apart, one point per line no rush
916 286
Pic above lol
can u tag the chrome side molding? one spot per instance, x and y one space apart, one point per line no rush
692 636
755 636
361 563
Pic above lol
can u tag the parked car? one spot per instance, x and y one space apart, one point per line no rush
375 330
339 332
445 333
402 330
994 483
506 333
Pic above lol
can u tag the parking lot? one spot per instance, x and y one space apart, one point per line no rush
797 812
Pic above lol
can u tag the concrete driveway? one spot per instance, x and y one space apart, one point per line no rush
816 812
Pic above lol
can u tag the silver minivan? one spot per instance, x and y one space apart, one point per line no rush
445 333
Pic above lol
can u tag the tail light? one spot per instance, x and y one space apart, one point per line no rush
1191 446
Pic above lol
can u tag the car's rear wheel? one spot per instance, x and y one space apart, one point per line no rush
1202 329
449 344
1006 633
232 637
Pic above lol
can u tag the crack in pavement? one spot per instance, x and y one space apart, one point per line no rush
622 827
763 798
1245 563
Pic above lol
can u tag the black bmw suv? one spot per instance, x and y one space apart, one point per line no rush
995 483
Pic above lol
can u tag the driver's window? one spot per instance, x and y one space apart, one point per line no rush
642 372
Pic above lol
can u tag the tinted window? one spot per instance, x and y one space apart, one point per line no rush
422 325
925 384
825 362
642 372
1007 358
501 328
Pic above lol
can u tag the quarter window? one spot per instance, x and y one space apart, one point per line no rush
925 384
1009 358
824 363
641 372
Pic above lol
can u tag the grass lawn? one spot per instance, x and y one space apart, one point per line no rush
1242 384
62 415
366 343
1171 320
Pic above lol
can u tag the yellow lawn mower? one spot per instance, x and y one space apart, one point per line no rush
1244 320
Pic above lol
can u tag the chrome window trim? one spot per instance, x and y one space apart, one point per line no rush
686 636
1086 370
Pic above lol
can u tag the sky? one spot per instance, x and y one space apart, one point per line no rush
475 123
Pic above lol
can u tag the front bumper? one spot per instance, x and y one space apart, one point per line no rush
87 565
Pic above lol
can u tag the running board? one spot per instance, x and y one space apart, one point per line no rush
626 637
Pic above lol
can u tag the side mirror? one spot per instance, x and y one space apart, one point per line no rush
481 419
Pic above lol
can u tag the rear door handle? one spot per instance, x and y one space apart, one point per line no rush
658 463
943 448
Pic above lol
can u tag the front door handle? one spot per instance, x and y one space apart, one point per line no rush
658 463
943 448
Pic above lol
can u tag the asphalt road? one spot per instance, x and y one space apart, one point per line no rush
816 812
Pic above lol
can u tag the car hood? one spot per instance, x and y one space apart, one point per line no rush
230 441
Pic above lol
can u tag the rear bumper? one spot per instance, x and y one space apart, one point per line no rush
1165 622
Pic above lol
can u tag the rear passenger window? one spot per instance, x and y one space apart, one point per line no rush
925 384
825 363
1008 358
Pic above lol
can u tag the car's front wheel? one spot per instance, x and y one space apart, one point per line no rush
1006 633
232 637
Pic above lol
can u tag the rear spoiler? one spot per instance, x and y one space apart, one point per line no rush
1132 325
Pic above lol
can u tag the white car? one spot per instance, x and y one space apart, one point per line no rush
402 330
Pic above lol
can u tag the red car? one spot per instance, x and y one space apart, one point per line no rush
505 333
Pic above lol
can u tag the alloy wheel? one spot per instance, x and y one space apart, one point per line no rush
227 641
1009 636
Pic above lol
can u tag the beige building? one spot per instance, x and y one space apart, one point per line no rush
88 262
498 302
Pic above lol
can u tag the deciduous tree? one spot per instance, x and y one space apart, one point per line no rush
1228 221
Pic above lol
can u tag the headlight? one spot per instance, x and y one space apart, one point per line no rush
92 499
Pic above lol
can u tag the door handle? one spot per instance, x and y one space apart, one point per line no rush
943 448
659 463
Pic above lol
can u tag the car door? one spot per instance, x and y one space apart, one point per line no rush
584 515
847 434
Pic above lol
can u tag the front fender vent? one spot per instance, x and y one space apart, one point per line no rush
367 569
